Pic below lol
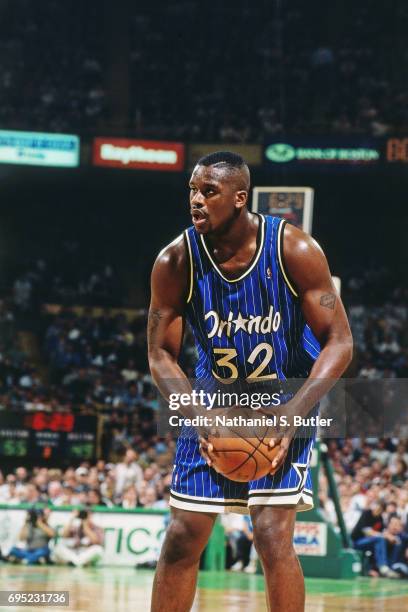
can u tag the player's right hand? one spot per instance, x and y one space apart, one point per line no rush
204 433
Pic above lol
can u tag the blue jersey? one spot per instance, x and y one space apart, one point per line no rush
250 328
247 330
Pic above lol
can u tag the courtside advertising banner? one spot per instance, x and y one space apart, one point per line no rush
39 149
310 539
129 537
138 154
132 537
324 153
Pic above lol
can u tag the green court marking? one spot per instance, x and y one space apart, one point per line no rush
365 587
231 580
360 587
350 590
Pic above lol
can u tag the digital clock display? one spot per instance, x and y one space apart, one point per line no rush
58 421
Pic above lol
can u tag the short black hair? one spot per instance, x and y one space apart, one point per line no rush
232 160
232 163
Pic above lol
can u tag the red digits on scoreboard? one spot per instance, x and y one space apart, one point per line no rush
67 422
58 421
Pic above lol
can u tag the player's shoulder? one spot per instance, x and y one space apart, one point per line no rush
303 257
170 273
292 240
174 254
297 243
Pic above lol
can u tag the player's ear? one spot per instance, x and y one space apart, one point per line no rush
241 198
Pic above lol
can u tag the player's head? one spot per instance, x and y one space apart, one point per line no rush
219 187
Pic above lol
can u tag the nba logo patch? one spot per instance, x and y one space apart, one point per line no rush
268 272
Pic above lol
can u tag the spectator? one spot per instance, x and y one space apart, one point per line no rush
95 498
67 495
127 472
369 535
129 499
148 499
245 557
397 543
238 532
55 493
30 494
9 492
35 536
129 373
399 472
21 475
327 507
81 475
163 503
82 541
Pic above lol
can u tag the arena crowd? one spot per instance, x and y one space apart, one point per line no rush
300 76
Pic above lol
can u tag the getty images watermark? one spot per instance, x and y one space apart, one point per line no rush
249 402
222 399
353 407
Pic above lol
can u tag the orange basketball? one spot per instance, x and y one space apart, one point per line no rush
242 459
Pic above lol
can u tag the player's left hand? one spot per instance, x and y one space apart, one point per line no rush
284 444
282 435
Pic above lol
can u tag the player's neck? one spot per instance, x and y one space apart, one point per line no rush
241 231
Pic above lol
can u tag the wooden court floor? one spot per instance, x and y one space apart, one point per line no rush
126 589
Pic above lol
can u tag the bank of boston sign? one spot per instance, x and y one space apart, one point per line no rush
321 151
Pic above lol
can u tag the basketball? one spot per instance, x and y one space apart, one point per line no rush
242 454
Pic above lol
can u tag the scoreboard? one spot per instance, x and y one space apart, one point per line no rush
48 436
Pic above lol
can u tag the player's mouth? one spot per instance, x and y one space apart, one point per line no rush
199 217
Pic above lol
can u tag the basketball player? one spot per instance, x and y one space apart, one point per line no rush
229 268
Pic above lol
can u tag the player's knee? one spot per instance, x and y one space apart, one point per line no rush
273 553
274 543
181 543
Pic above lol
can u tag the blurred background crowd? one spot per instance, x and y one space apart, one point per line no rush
136 480
59 60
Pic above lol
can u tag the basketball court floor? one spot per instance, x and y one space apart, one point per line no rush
127 589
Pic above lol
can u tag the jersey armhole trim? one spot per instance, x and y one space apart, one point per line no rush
281 259
190 257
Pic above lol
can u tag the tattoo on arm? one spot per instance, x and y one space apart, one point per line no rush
328 301
155 317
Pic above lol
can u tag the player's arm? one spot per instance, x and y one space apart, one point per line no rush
169 289
323 310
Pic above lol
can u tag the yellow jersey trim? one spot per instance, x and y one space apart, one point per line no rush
280 257
190 256
251 267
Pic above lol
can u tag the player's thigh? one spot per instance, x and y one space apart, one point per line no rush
187 534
